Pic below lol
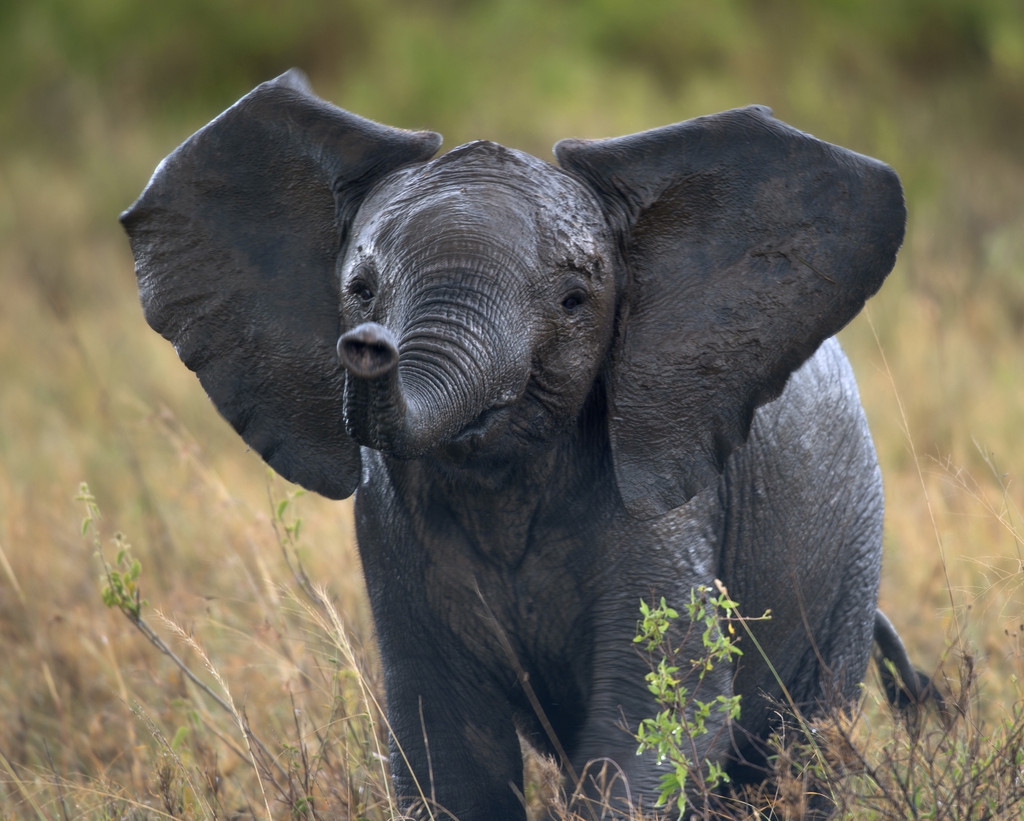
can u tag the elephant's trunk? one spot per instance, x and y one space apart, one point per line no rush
375 408
428 397
369 351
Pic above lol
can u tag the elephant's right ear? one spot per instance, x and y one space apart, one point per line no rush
236 239
747 244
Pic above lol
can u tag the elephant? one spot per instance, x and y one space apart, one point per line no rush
556 391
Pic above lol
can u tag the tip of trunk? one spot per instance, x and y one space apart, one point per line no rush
368 351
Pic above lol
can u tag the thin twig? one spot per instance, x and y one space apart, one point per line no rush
57 781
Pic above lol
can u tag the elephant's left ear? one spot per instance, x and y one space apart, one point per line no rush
236 240
748 243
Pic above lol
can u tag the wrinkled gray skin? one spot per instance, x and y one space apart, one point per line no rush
555 391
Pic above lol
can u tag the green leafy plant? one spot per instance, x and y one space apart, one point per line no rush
675 680
121 579
325 767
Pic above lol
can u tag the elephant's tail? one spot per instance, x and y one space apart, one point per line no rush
905 686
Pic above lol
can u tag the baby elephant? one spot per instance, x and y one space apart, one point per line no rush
556 391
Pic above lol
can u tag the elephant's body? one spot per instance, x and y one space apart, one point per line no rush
810 475
556 391
541 584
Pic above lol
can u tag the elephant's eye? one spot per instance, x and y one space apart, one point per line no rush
361 290
573 302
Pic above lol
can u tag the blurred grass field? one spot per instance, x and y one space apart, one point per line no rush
94 722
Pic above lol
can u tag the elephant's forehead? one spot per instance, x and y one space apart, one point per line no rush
487 189
488 164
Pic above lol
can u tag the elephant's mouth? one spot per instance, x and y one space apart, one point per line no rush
485 430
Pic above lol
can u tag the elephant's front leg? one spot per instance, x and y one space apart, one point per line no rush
454 746
611 771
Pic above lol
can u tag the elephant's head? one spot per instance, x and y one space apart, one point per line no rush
478 296
333 286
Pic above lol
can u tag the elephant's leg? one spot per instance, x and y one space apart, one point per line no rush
605 758
453 748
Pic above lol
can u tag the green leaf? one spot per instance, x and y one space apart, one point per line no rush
179 738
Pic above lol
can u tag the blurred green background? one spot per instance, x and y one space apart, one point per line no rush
880 73
96 92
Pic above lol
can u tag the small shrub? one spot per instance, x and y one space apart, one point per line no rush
675 680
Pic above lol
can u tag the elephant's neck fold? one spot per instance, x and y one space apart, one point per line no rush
501 512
